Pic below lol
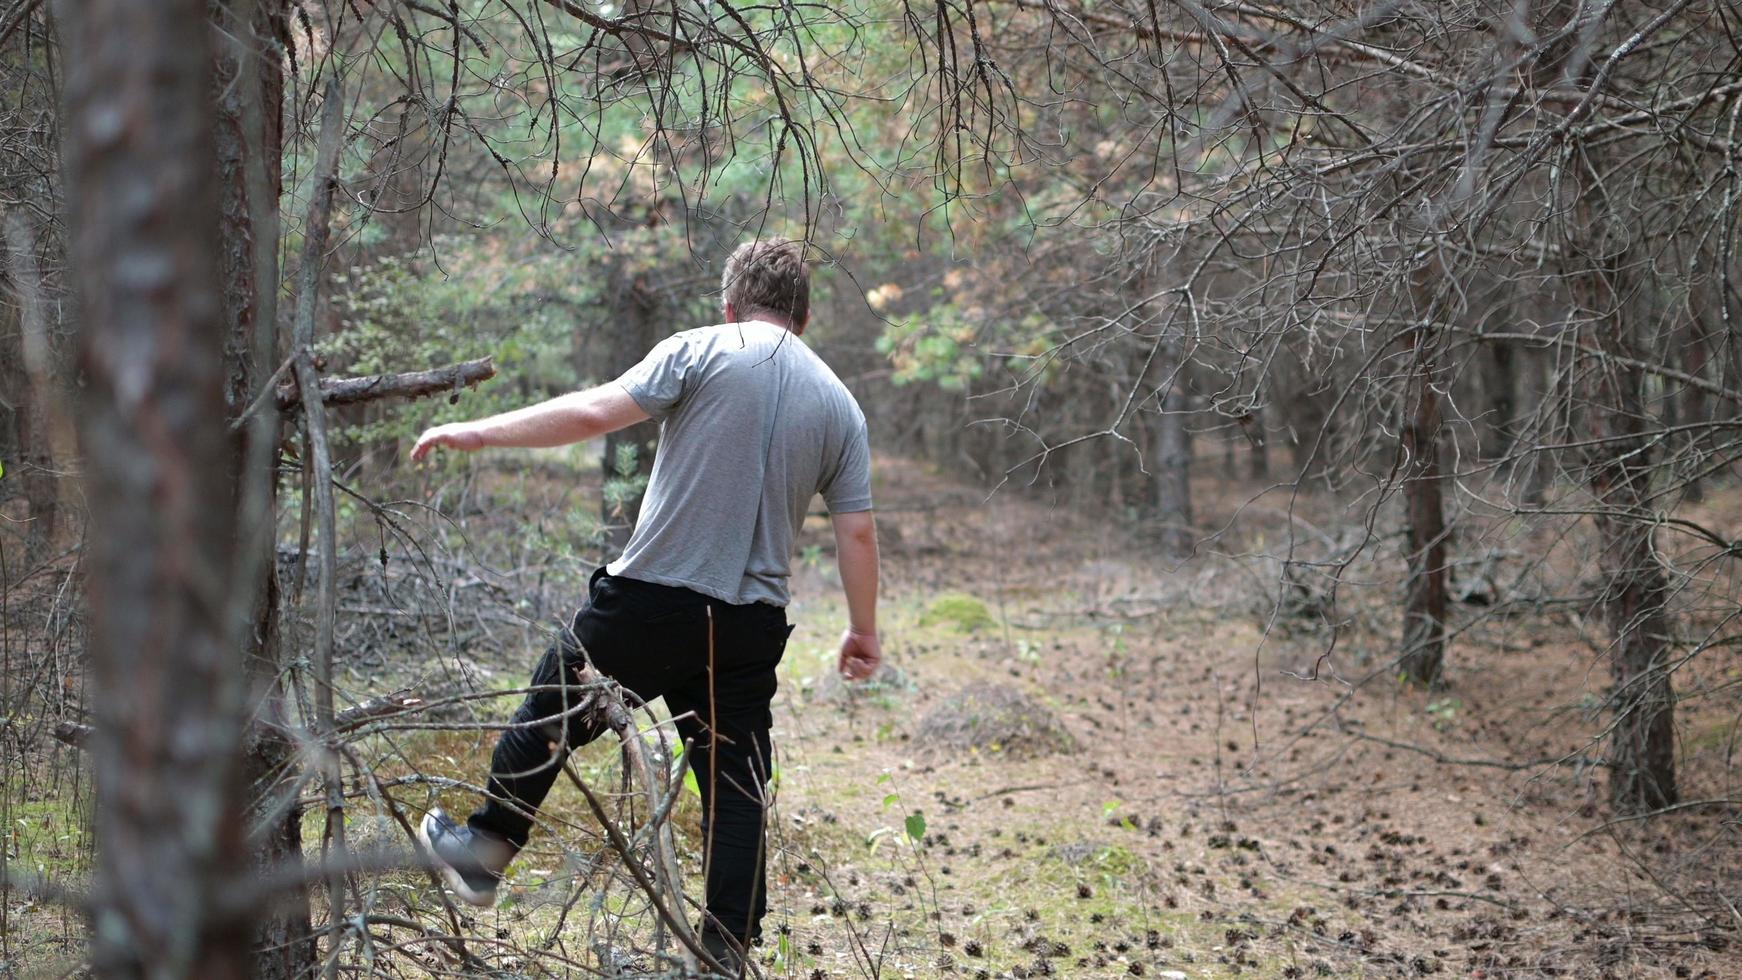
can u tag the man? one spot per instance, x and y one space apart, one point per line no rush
752 426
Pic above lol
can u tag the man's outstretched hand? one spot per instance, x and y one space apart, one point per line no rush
860 655
454 435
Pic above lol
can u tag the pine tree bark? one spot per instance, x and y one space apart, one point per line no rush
1424 607
1635 592
1635 595
166 682
248 137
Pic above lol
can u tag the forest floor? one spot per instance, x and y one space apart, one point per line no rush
1235 791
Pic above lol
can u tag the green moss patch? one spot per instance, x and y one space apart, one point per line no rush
960 612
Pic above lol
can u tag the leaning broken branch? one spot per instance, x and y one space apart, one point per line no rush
409 384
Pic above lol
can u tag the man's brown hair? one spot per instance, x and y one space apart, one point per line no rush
769 278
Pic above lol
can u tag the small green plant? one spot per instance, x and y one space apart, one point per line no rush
1444 712
625 483
1116 652
689 775
811 556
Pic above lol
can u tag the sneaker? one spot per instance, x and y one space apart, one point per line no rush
471 862
724 952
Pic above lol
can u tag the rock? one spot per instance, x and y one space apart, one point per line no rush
993 719
1077 852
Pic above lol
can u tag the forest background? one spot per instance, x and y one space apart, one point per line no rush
1317 419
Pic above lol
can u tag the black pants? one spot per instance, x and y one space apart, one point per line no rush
653 639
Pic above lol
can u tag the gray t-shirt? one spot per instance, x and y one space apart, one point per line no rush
752 425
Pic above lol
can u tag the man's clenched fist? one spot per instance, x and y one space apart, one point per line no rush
860 655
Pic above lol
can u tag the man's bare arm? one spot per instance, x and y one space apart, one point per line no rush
856 554
574 417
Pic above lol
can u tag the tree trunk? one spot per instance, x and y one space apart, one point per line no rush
626 457
1424 606
1173 460
36 474
1635 591
1695 408
1500 384
1259 434
167 694
1543 463
249 83
30 386
1635 595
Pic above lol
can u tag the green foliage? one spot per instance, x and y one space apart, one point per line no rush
938 348
399 314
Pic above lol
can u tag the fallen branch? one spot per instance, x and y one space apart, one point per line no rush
411 384
74 734
382 707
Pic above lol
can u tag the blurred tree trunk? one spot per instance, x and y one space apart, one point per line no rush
1694 407
1635 590
33 374
1259 434
24 438
170 830
1173 457
1310 430
37 463
1500 384
1543 463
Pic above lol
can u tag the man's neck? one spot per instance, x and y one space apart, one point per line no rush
773 320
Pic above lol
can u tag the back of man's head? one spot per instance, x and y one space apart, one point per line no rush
768 279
